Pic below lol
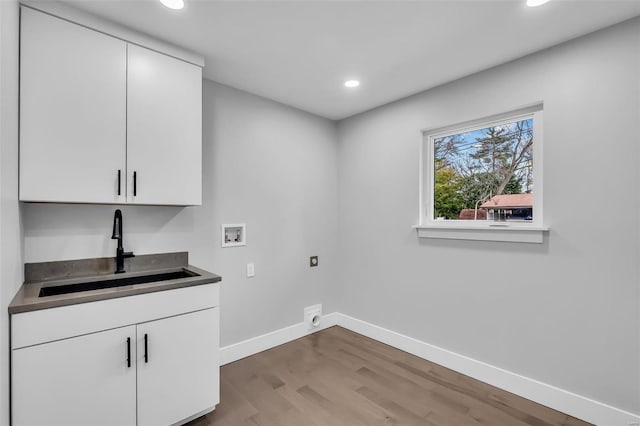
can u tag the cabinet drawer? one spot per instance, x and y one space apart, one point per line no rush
46 325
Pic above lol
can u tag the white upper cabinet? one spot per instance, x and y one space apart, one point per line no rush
164 129
72 112
105 121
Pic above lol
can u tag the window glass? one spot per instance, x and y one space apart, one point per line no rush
484 173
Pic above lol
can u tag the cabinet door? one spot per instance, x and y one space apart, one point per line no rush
81 381
72 112
164 129
180 376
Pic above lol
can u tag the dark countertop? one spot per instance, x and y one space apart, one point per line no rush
49 274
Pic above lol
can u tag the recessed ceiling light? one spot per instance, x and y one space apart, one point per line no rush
173 4
352 83
534 3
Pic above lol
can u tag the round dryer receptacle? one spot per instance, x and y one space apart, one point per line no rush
315 321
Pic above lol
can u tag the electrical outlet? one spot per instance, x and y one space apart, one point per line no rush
251 270
313 261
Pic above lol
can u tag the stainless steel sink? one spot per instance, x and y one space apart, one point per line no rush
114 282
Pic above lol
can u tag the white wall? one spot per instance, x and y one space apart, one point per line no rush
565 312
572 316
266 164
10 228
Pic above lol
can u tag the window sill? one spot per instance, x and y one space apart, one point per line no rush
505 233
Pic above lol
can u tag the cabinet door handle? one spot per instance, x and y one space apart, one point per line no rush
128 352
119 181
146 348
135 183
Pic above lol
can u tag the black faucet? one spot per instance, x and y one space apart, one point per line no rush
117 235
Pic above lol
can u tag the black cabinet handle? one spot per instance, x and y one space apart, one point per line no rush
129 352
135 183
146 348
119 180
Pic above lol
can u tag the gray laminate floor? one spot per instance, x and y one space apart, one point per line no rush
337 377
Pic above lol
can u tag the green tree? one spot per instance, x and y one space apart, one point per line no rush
447 199
493 149
514 186
476 188
506 153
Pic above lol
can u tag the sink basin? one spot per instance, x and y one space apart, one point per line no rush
114 282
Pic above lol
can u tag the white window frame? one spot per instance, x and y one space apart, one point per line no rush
429 227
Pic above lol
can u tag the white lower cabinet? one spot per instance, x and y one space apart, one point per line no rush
80 381
154 372
176 367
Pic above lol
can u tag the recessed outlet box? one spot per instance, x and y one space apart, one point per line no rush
234 235
313 261
313 316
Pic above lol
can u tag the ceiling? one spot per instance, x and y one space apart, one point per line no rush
299 52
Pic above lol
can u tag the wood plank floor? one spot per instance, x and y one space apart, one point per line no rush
339 378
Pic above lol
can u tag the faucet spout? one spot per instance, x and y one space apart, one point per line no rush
117 227
117 235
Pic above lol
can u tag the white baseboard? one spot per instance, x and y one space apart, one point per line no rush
261 343
567 402
542 393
